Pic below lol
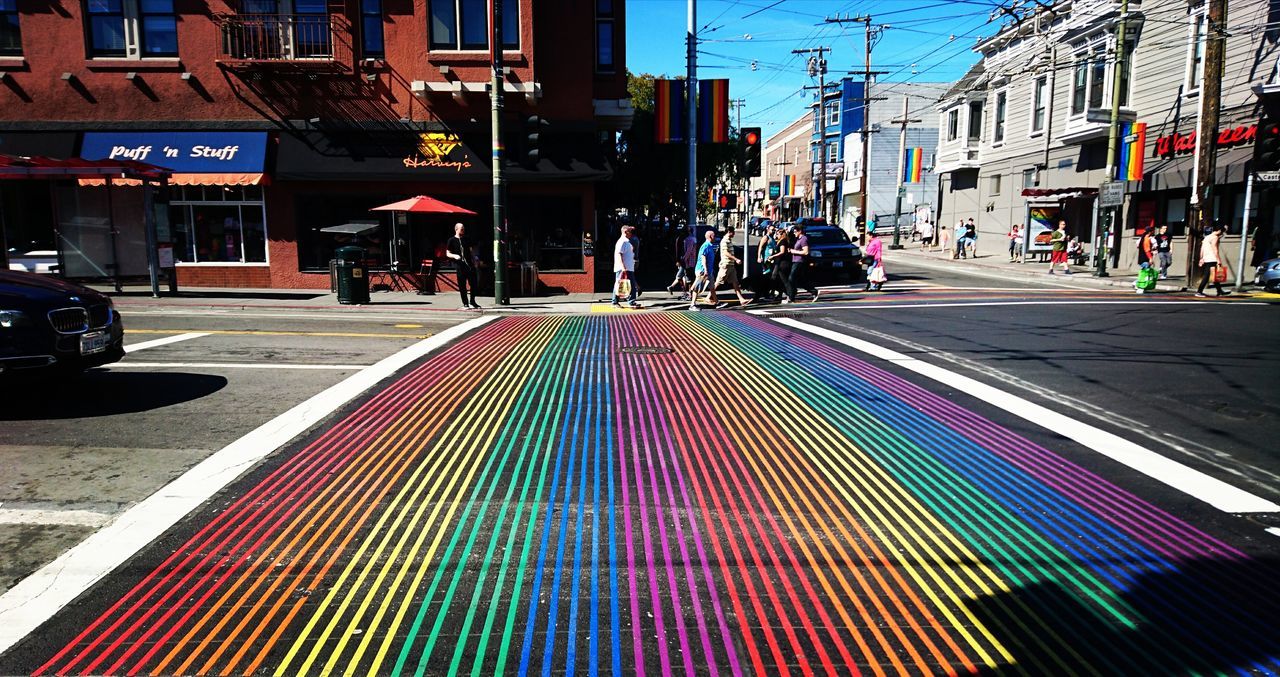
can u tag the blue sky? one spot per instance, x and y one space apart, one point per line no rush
925 41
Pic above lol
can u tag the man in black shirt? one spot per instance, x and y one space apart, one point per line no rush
1164 250
461 251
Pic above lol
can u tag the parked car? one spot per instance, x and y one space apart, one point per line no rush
43 261
1268 275
835 258
48 323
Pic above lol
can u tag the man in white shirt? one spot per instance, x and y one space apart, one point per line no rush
624 266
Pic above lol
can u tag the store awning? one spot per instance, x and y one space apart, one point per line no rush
16 167
1060 193
256 179
1177 172
195 158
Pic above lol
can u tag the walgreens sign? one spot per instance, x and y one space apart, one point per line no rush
1180 144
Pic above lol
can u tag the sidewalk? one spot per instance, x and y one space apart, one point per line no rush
998 264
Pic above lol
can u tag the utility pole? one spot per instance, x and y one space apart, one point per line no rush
1206 133
902 153
867 74
1110 230
499 185
691 99
742 198
818 66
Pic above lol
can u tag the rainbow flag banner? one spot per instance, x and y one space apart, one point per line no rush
788 184
713 111
668 111
913 165
1134 140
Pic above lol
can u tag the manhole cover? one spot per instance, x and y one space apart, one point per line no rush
647 350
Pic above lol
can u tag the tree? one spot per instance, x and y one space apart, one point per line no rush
651 176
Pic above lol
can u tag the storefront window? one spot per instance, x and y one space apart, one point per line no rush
1176 215
218 224
550 231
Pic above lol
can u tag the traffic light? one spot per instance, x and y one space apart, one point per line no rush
533 129
729 201
750 138
1266 148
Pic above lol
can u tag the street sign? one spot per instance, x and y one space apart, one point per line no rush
1268 177
1111 194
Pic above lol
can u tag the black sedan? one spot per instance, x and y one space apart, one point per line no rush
46 322
836 260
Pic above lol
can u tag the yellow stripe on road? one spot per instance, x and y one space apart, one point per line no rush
254 332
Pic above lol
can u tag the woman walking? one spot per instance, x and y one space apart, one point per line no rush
875 272
764 256
782 265
1210 259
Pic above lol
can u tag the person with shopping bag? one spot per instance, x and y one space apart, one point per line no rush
624 266
875 259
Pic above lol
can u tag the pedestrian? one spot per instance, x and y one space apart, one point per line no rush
686 252
1146 260
728 273
971 238
875 253
764 256
624 266
635 264
782 265
926 235
1015 243
944 238
1211 260
1164 250
799 276
1058 242
702 270
962 230
465 261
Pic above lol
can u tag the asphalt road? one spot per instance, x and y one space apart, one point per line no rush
720 493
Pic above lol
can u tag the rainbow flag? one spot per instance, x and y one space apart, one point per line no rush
913 165
1132 153
668 111
788 185
713 111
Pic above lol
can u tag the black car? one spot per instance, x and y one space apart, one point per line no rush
46 322
836 260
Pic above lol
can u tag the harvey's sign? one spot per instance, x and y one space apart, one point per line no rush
182 152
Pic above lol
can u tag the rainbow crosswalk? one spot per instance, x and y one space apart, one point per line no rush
677 494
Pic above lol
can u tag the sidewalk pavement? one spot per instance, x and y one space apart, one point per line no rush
999 263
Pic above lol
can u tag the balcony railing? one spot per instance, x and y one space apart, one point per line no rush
278 37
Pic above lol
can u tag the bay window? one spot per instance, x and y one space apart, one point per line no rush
1002 100
464 24
975 120
1079 83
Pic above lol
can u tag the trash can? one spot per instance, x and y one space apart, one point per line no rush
353 279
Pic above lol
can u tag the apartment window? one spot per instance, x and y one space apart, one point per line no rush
217 224
464 24
159 27
1079 85
1199 33
1002 100
1126 73
604 36
833 152
106 27
10 31
833 113
1040 98
1097 79
995 184
1030 178
975 120
953 125
372 41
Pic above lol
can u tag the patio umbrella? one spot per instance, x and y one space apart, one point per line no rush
422 205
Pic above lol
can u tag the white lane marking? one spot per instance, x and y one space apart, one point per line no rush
237 365
134 347
36 598
970 304
1274 531
74 518
299 315
1192 482
1048 281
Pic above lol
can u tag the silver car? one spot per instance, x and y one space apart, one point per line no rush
1268 275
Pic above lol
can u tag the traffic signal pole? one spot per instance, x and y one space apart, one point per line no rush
495 110
691 100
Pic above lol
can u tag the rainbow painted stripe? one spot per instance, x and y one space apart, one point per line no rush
713 111
913 165
669 112
538 498
1132 152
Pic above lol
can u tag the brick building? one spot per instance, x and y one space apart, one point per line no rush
284 117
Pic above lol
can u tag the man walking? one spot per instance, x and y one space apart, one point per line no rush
624 265
460 249
728 273
800 265
702 270
1058 241
1164 251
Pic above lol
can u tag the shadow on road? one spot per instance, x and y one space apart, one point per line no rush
1209 616
100 392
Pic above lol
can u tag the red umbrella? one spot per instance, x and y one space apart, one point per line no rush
422 205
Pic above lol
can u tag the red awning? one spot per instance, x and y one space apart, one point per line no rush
250 179
1059 192
17 167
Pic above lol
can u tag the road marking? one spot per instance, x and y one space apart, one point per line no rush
36 598
304 315
969 304
254 332
408 326
1187 480
186 336
1274 531
237 365
926 263
72 518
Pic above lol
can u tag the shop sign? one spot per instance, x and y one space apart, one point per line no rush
1181 144
182 152
775 189
1111 194
436 150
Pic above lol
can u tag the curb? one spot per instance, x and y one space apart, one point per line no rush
1083 278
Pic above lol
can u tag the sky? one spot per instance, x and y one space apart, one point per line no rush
920 41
